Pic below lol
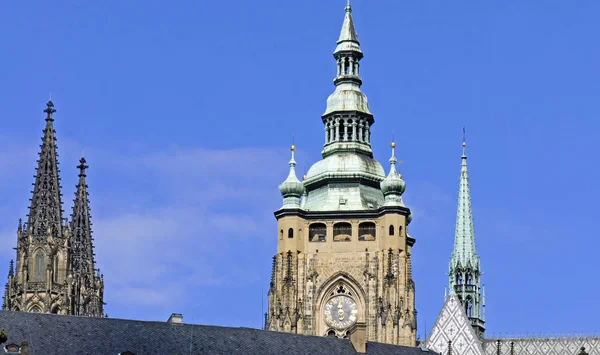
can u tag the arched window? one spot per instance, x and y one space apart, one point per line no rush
469 307
342 232
459 279
391 231
331 333
317 232
55 268
366 231
35 309
281 234
38 269
291 233
55 309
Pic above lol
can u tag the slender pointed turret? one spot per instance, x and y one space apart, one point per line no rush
292 188
45 211
393 186
82 266
464 271
82 255
464 253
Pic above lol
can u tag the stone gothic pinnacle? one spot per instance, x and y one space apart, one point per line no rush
82 257
45 211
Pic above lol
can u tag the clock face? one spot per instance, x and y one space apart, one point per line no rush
340 312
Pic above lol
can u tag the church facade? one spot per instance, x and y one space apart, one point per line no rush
55 269
344 252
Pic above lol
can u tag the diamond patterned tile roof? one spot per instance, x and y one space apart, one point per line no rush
565 345
453 324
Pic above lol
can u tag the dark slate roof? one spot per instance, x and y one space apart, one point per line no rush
51 334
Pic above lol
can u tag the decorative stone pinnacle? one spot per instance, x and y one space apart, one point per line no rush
49 110
82 166
11 269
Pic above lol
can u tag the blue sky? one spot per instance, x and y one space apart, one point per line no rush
185 111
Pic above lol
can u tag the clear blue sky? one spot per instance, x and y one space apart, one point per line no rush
185 111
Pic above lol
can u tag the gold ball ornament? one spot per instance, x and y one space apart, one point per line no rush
293 147
464 144
393 145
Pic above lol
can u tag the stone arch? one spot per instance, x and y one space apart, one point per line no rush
36 308
341 277
55 309
324 293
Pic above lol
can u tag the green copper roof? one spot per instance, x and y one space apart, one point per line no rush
464 254
292 188
348 40
393 186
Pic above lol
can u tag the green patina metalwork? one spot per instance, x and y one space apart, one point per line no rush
465 269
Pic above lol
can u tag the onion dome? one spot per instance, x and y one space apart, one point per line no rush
292 188
393 186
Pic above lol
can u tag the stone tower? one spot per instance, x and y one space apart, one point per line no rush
344 253
54 271
465 269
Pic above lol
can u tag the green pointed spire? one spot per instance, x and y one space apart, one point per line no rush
465 272
464 254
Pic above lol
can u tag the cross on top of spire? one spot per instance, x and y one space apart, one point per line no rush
49 110
82 166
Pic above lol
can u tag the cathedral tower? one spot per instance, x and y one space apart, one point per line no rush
465 269
344 253
54 271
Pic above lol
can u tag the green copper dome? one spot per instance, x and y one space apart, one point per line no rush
393 186
292 188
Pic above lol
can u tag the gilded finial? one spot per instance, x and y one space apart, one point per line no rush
293 148
348 7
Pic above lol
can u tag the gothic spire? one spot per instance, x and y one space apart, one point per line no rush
45 211
464 254
465 272
82 255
